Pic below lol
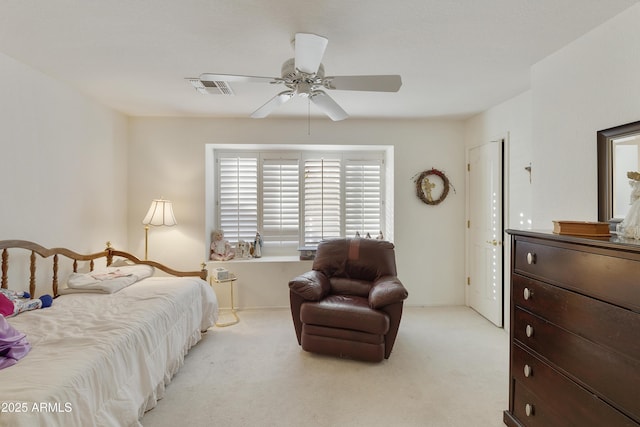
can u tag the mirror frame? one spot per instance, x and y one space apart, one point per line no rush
605 168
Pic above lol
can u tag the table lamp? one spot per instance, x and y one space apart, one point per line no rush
160 213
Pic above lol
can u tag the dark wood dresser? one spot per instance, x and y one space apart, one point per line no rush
575 331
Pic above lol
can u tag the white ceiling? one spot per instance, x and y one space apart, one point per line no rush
456 57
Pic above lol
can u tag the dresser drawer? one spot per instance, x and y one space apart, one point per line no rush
603 274
599 369
600 322
530 410
556 394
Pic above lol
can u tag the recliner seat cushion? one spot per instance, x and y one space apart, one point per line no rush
346 312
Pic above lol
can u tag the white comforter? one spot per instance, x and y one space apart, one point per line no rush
104 359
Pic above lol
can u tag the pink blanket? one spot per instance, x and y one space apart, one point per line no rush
13 344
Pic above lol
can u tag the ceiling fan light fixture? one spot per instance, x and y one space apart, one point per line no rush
303 75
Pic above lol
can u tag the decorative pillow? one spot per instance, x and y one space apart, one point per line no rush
122 262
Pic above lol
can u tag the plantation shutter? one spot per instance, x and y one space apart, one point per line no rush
280 201
238 197
322 209
363 197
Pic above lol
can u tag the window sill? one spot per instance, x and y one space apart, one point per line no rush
264 259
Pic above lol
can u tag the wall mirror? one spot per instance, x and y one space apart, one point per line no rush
618 153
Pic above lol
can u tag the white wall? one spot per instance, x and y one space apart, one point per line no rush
167 159
63 163
262 283
589 85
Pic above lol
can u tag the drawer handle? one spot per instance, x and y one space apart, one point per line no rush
528 409
528 294
531 258
528 371
529 331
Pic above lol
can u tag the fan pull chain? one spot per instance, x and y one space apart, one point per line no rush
309 116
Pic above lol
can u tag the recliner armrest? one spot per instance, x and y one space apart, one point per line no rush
387 290
312 285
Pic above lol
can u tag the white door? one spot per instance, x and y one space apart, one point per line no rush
484 231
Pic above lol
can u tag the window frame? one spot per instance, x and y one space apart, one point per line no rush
347 153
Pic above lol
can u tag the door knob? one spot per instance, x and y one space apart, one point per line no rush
494 242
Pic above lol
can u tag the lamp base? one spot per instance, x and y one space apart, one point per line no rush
146 242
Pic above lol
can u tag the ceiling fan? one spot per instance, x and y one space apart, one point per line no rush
304 76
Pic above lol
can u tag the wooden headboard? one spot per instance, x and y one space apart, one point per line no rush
108 254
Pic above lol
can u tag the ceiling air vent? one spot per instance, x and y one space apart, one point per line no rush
211 88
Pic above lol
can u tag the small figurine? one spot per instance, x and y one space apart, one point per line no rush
243 249
257 246
221 249
630 226
380 236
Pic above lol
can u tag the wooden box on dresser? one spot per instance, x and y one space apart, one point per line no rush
575 331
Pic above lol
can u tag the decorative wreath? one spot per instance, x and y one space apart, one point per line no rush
424 186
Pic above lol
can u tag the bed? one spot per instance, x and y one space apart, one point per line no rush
98 357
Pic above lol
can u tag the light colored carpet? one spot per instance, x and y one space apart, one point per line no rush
449 368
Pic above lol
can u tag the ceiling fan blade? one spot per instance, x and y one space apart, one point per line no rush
309 50
328 106
385 83
209 77
272 104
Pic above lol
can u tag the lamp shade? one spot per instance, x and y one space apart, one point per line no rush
160 213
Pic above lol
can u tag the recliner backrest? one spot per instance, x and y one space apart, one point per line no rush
361 259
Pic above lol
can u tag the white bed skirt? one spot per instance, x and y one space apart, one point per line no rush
104 359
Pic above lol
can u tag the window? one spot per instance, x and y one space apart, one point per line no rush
238 197
280 201
298 197
363 198
322 200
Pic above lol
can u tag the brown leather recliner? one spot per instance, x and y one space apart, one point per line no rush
350 303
